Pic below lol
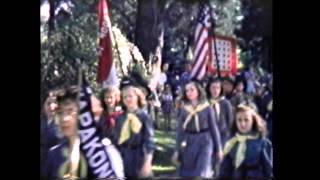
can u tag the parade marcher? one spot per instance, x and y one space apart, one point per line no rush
134 133
110 98
50 135
66 160
163 75
248 154
96 107
167 106
198 137
227 87
238 92
221 106
186 75
249 76
223 110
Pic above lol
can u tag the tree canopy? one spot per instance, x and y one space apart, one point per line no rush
69 34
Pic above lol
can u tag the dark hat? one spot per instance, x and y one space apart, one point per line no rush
134 79
126 81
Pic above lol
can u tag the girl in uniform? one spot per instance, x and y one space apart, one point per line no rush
198 137
134 134
248 154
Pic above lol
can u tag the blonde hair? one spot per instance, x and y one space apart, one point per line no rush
141 96
259 123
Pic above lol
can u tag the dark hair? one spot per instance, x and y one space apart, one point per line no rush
259 125
68 94
51 98
229 79
201 92
240 79
211 81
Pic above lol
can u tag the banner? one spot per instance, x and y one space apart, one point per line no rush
227 56
90 141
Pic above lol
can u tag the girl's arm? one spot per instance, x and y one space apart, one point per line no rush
180 133
148 145
214 131
267 158
148 136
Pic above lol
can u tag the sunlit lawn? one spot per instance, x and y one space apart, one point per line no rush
165 142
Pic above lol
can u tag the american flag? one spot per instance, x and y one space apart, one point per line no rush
201 51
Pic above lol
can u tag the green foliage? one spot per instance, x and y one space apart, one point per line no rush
75 37
228 16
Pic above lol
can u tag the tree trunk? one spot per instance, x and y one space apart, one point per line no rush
51 17
148 27
149 34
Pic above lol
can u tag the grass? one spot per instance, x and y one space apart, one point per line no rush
165 143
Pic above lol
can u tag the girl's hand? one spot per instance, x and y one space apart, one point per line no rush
146 170
174 158
220 155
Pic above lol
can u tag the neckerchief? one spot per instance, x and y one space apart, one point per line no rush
242 147
193 112
131 124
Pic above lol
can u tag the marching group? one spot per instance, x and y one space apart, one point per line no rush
224 128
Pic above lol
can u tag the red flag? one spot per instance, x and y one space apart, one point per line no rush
105 42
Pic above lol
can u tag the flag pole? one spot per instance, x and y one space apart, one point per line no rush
214 39
79 78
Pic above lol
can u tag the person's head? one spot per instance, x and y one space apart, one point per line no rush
165 67
96 106
50 105
239 86
110 97
167 88
260 89
67 111
214 88
247 120
193 91
133 97
227 85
